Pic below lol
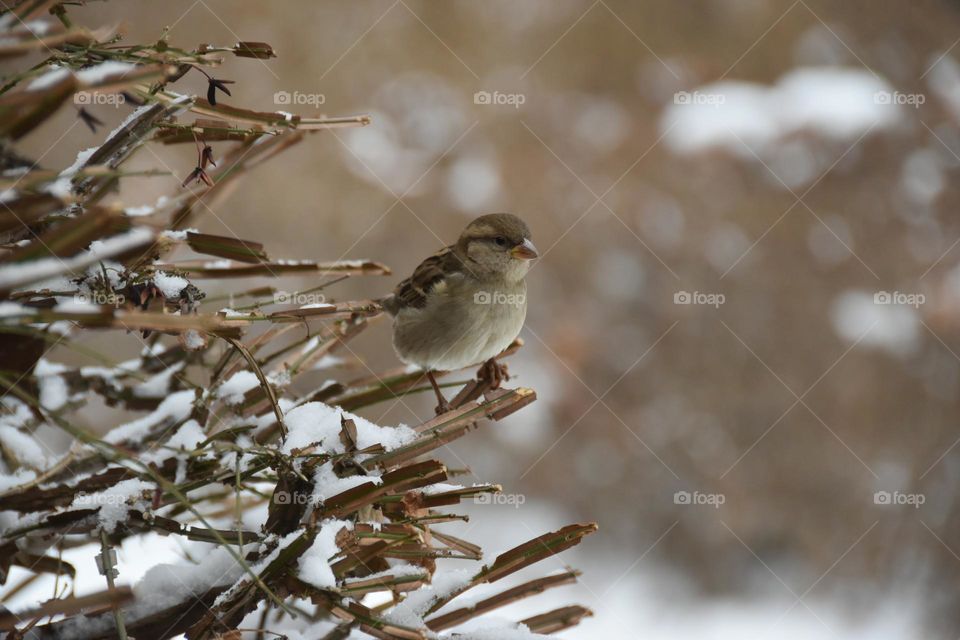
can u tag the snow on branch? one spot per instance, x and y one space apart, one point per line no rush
297 512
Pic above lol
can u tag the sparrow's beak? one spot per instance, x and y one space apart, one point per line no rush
525 250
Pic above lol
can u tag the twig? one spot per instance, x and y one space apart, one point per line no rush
107 562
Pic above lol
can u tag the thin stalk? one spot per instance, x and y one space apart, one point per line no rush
106 556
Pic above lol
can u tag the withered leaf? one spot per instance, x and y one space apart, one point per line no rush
198 175
206 157
348 433
194 175
260 50
212 85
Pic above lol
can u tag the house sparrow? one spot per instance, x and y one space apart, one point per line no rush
466 303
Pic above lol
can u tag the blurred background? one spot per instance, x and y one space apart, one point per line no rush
744 328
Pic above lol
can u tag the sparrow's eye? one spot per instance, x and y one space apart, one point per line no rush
501 241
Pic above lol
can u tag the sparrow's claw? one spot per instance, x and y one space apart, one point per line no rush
494 372
443 405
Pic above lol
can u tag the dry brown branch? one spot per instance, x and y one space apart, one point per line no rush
223 424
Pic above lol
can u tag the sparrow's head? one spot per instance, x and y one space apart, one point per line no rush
498 243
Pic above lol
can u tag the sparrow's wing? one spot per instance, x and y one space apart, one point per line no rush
431 273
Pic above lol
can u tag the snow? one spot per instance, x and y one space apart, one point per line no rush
103 71
52 77
352 264
61 188
194 340
269 417
231 313
410 612
76 305
110 374
647 598
170 285
142 210
261 564
188 437
136 113
326 362
16 413
280 378
78 163
19 477
113 270
239 383
514 631
835 103
46 367
22 447
115 502
327 484
229 459
14 275
158 385
154 349
318 423
60 328
184 441
177 234
90 76
38 28
441 487
314 567
163 586
10 309
53 392
175 408
398 570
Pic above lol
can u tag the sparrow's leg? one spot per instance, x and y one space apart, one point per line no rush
443 405
493 371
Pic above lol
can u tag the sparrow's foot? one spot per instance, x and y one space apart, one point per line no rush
494 372
443 406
